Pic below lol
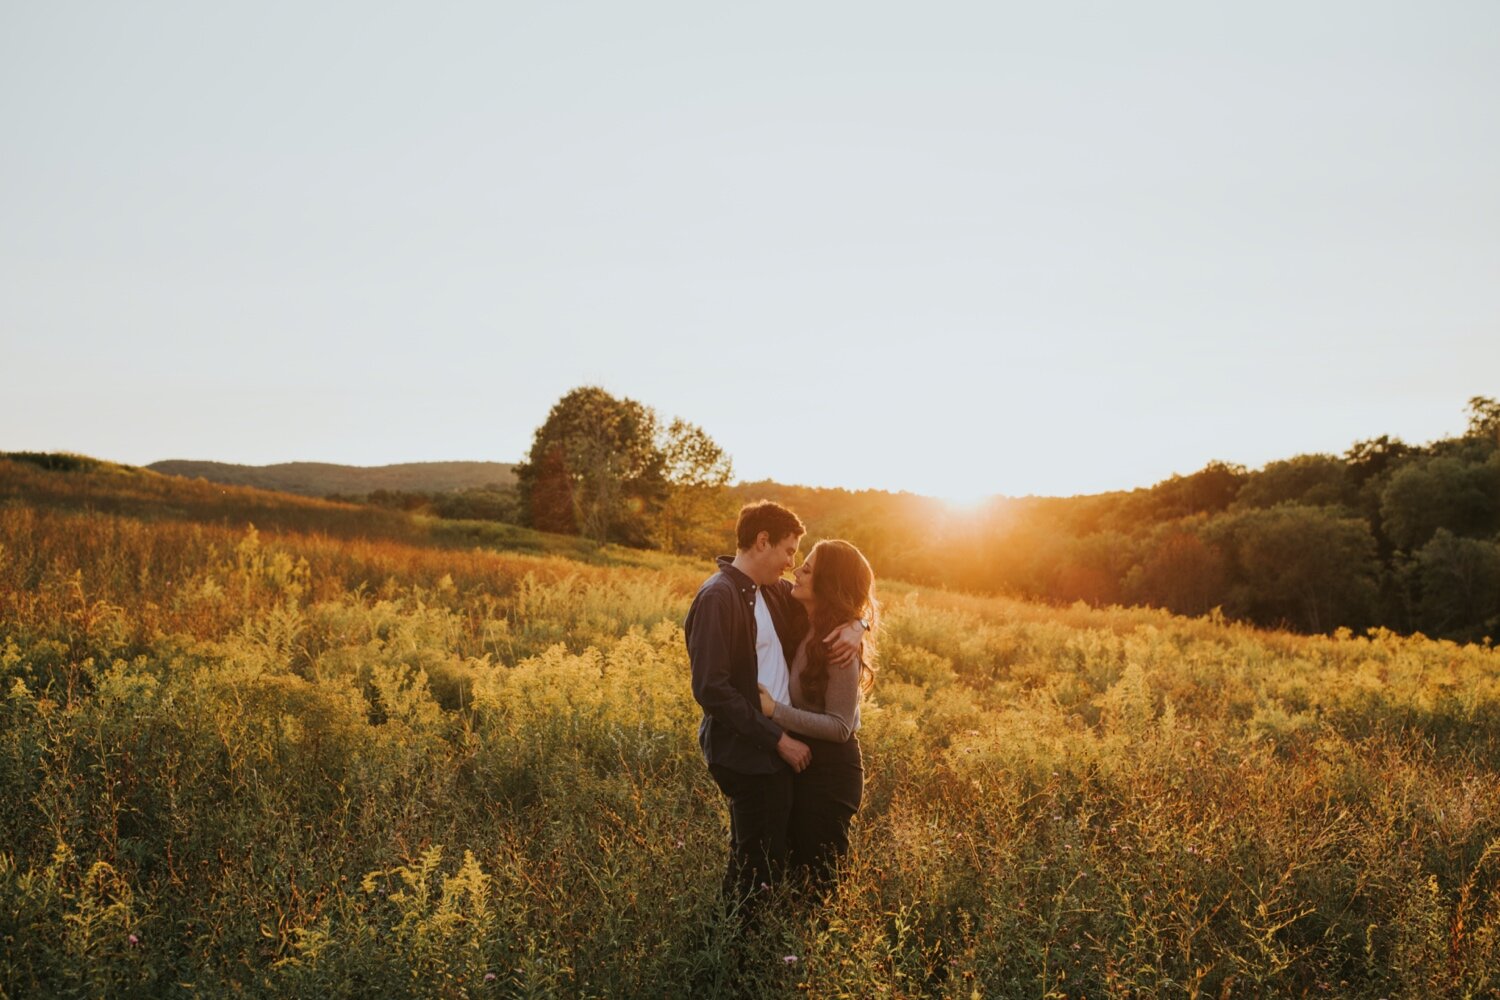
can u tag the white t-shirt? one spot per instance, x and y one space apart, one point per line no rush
770 661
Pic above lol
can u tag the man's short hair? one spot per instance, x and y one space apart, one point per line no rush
765 515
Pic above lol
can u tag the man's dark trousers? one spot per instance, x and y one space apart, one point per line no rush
760 806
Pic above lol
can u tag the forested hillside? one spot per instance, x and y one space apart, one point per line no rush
1401 536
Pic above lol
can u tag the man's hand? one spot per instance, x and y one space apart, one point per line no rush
844 644
794 752
767 703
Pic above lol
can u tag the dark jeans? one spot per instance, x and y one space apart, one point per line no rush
825 797
760 807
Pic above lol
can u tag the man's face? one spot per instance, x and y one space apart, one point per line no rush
773 559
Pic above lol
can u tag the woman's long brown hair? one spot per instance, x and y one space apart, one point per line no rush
843 587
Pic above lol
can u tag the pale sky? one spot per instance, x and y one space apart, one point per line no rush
956 249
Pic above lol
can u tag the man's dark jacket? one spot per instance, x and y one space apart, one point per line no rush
720 629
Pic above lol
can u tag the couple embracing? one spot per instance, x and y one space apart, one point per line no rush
779 667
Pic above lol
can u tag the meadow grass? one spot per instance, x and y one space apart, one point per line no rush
314 758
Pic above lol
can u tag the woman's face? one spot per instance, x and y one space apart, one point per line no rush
802 580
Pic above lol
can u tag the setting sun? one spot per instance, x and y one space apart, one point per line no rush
967 504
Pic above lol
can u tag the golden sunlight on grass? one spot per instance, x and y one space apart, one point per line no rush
280 762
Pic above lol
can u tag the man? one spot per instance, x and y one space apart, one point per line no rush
742 630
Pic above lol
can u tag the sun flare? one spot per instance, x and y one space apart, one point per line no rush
970 503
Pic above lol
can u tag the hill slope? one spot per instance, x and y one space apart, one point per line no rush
74 483
322 478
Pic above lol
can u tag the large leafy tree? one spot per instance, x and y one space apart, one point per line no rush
546 491
697 497
607 468
593 468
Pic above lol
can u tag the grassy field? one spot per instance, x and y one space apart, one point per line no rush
350 753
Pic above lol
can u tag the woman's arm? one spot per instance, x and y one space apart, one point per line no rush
836 723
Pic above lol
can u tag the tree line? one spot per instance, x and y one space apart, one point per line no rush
612 470
495 502
1387 534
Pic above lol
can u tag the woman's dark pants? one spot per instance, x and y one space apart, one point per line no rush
825 797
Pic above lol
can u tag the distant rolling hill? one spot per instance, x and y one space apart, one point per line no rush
322 478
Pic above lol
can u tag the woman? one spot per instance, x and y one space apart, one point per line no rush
835 584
